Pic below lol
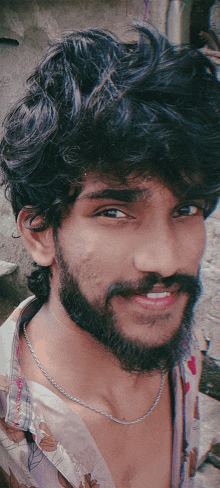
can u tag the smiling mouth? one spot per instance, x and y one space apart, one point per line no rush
155 300
158 295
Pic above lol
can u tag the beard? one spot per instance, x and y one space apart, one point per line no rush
98 319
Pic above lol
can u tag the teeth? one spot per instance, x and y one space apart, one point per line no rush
158 295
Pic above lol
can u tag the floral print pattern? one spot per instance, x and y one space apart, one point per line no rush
63 481
14 434
192 462
9 480
86 483
59 451
48 442
196 409
192 365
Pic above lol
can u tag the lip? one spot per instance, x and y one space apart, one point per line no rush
156 303
161 288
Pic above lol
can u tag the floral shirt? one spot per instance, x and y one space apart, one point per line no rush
44 443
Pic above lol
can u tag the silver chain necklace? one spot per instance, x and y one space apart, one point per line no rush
124 422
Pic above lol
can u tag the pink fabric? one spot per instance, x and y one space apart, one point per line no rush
61 451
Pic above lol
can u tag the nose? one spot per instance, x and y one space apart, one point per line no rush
160 252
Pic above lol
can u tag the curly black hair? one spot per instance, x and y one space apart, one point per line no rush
96 104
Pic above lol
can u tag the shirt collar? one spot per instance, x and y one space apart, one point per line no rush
18 399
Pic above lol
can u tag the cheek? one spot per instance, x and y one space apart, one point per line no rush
94 263
194 242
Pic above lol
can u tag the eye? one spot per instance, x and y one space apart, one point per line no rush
188 211
113 213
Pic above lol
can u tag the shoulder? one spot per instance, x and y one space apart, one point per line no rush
8 331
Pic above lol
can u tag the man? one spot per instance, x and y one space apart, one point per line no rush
111 164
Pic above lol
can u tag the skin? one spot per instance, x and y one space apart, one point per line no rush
103 241
98 243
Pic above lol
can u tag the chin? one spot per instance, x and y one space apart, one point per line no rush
152 330
138 355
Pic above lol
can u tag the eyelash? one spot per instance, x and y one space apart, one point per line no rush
200 209
112 210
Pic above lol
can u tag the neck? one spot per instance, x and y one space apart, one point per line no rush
84 369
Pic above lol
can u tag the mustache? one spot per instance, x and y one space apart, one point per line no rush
186 284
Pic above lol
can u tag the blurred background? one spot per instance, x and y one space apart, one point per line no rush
26 29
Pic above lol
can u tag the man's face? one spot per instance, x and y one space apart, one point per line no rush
128 258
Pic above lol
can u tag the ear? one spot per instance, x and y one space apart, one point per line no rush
39 244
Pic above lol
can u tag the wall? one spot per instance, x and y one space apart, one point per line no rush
215 17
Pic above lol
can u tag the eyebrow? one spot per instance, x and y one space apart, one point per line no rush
126 195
